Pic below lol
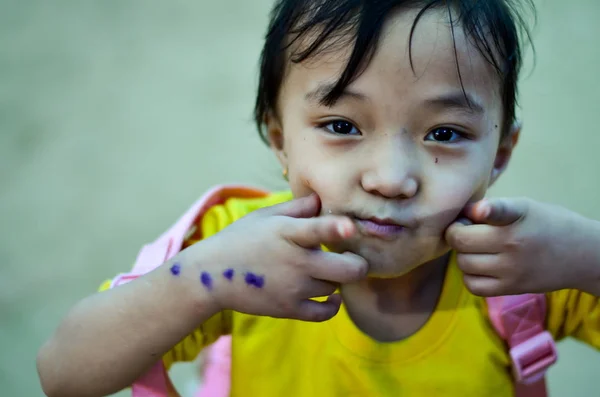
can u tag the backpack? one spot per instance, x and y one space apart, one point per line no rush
518 319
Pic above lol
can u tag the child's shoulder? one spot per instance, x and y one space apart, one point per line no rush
241 202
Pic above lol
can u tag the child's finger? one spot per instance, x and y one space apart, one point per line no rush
311 233
479 264
319 288
474 239
337 268
314 311
497 212
482 286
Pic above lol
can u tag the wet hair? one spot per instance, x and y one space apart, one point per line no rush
495 27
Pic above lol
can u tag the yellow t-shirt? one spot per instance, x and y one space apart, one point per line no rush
456 353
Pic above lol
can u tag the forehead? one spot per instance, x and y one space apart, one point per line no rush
437 51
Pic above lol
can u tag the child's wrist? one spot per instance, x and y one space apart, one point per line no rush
189 266
207 275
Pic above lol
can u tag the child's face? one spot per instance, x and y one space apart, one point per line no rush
400 147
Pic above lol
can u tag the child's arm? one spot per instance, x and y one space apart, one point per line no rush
522 246
107 340
263 264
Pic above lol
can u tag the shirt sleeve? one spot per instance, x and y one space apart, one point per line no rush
572 313
189 348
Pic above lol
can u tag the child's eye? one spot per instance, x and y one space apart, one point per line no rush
341 127
444 134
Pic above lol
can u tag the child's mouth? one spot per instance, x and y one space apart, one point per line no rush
382 228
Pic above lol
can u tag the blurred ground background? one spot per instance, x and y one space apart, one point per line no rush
116 115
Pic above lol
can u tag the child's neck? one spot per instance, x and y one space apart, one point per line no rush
392 309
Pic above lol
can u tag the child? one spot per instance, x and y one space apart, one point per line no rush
390 119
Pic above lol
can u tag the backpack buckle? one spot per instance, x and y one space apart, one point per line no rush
532 357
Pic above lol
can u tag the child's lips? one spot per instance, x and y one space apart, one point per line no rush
382 228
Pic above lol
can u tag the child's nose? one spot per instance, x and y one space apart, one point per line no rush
391 174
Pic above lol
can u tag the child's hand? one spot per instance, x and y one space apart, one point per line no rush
514 246
270 262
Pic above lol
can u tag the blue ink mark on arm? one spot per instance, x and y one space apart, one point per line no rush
254 280
228 274
176 269
206 280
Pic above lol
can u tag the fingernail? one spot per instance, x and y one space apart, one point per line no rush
485 209
344 229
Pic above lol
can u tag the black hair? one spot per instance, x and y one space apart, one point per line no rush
494 26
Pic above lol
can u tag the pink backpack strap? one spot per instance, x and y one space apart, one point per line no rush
520 320
156 382
216 379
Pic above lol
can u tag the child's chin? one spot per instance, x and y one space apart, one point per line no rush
394 260
388 266
384 266
394 271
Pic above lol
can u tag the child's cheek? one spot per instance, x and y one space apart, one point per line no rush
325 178
328 191
303 182
453 199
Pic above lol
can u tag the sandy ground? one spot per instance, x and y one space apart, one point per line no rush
116 115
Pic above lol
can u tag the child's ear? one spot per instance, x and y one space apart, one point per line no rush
276 140
504 153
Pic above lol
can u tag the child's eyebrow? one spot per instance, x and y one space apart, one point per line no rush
322 90
453 100
462 101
